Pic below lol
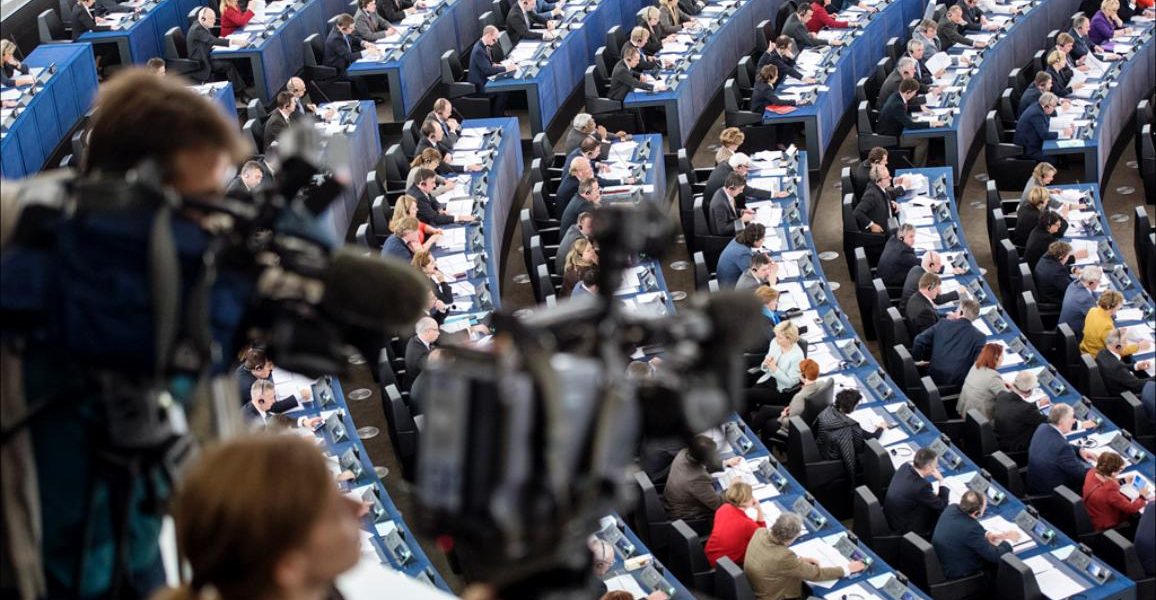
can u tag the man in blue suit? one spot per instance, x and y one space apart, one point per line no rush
342 48
1041 85
951 345
1051 460
963 546
910 504
1146 539
1079 298
1032 127
485 62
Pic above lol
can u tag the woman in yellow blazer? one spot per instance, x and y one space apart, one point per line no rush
1101 320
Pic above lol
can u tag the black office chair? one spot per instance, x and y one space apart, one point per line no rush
745 76
922 565
320 79
1017 82
1013 477
701 272
872 527
1065 509
403 431
730 583
686 203
616 38
176 57
709 244
826 479
1141 229
459 90
781 16
686 559
1015 580
980 441
931 402
736 113
864 294
1005 164
877 467
1120 554
1034 322
51 29
256 132
763 32
896 47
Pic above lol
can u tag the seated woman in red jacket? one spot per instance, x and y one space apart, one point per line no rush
1107 506
820 18
735 522
232 18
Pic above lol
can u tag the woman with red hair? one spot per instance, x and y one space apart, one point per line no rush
983 382
1107 506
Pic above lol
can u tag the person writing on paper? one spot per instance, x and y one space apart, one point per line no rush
735 523
1116 368
738 163
951 345
1052 274
1057 64
1028 216
950 33
689 492
368 24
795 28
775 572
343 47
962 545
430 159
425 262
780 378
973 16
521 21
911 504
1041 85
584 126
1107 506
1106 23
486 62
820 18
246 530
1032 128
982 383
258 412
763 272
763 93
431 138
1051 460
931 263
736 257
9 67
84 20
1101 321
589 200
1080 297
725 217
233 18
672 18
895 117
583 256
898 257
810 400
624 79
403 242
1015 418
429 210
406 208
842 438
781 55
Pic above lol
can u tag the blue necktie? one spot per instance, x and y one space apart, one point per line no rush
347 44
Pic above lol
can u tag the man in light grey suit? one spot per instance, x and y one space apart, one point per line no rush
369 25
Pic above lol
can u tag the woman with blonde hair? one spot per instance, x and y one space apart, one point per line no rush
1101 320
1042 176
1106 23
781 375
406 208
735 523
1057 68
260 517
583 256
232 18
430 159
1028 215
729 142
9 66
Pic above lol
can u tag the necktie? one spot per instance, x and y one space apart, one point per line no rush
347 44
489 52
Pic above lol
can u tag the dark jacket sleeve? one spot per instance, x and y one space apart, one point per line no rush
427 214
921 348
977 541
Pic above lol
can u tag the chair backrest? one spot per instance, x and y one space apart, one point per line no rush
701 272
403 430
487 18
919 561
452 71
732 99
175 47
686 559
763 32
979 433
863 120
314 50
614 42
1067 512
1120 553
992 129
49 27
745 75
1090 378
877 467
1015 580
871 524
650 518
379 215
730 583
544 287
362 235
801 445
543 148
1005 471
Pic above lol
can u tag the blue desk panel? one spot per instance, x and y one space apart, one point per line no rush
353 154
53 111
145 38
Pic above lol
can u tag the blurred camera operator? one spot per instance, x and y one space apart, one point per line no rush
76 523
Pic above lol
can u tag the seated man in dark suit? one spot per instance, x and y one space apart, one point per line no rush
1043 236
581 230
910 504
279 119
951 345
1052 461
898 257
623 79
199 43
258 412
403 242
920 310
738 163
873 212
861 174
963 546
1116 369
1041 85
395 11
779 54
246 182
255 366
589 200
904 69
930 262
84 19
580 170
429 210
522 18
1080 297
433 136
426 334
1032 127
486 62
894 117
725 216
1015 417
951 28
1052 274
343 47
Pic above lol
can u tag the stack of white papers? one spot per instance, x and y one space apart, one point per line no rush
956 485
625 583
901 453
998 524
822 550
622 151
1053 582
